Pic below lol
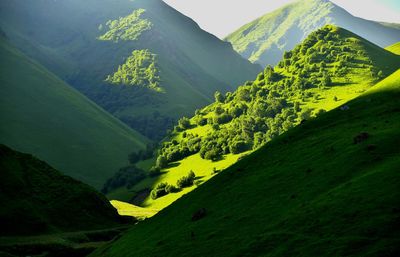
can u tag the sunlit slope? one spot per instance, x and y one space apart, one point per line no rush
37 199
42 115
318 75
395 48
265 39
326 188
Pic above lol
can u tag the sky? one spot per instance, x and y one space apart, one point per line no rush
226 16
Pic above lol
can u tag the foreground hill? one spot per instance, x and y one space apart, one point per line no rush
330 67
42 115
326 188
395 48
141 60
37 199
265 39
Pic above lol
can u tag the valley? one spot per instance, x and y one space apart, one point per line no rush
127 129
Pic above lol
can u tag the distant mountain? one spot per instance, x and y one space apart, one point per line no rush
141 60
42 115
329 187
265 39
37 199
329 68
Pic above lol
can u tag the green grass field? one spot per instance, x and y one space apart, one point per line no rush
42 115
321 189
395 48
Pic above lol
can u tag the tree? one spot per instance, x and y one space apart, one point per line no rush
219 98
237 147
161 162
186 181
184 123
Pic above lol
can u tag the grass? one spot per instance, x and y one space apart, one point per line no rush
37 199
126 209
83 43
44 116
310 192
71 243
202 168
395 48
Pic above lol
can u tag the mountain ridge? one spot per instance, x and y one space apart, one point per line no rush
192 63
265 39
43 115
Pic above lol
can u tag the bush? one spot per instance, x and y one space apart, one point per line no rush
186 181
161 162
238 147
159 191
184 123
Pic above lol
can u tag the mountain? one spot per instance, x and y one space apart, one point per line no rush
329 68
141 60
266 39
42 115
37 199
395 48
328 187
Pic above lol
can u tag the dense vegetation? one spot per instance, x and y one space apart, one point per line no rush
268 37
140 69
125 177
129 27
277 100
328 187
37 199
43 115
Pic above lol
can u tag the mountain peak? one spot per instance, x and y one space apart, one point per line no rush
264 40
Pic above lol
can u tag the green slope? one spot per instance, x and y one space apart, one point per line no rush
395 48
37 199
265 39
85 42
42 115
314 191
330 67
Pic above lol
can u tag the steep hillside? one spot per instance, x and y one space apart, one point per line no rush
330 67
395 48
265 39
37 199
42 115
326 188
141 60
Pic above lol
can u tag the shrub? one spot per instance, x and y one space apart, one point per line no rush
186 181
161 162
159 191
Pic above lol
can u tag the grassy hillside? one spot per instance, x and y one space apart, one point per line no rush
265 39
99 47
37 199
329 68
326 188
395 48
40 114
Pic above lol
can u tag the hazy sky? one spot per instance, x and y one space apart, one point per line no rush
225 16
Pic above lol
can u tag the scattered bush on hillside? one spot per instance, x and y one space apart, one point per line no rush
159 191
186 181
